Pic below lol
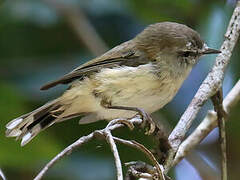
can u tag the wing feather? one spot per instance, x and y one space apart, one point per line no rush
118 56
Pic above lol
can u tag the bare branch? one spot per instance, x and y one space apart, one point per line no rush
106 133
207 125
209 87
139 169
232 98
221 114
137 174
139 166
113 146
146 152
68 150
65 152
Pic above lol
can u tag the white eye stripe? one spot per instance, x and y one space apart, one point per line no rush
189 45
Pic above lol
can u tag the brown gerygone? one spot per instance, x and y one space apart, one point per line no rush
142 74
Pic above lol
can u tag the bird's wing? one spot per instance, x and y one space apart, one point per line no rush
120 55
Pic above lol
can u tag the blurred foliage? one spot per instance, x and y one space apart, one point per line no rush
37 45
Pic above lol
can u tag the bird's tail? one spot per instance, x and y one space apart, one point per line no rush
27 126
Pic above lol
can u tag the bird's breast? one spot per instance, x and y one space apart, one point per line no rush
142 86
136 87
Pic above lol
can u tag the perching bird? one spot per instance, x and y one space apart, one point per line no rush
145 72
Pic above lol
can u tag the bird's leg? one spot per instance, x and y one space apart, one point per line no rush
145 116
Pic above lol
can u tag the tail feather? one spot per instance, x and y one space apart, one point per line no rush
27 126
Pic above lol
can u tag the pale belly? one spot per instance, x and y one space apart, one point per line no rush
135 87
123 86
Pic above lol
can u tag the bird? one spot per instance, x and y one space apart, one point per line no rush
138 76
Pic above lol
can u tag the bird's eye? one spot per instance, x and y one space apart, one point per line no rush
187 53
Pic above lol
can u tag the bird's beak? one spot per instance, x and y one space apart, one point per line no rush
211 51
207 50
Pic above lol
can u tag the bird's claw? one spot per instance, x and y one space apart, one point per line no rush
129 124
147 119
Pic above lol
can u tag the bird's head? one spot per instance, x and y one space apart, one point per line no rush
169 41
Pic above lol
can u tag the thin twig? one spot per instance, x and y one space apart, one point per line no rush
138 174
207 125
209 87
139 169
232 98
65 152
117 161
68 150
217 102
141 165
159 167
145 151
113 146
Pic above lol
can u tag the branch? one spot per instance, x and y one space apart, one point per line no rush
139 169
65 152
68 150
208 88
106 133
113 146
207 125
232 98
140 147
221 117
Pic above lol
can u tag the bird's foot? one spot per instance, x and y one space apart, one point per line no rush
126 122
147 119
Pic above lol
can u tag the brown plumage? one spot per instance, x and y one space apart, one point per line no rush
144 72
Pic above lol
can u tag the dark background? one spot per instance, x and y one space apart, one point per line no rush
39 42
